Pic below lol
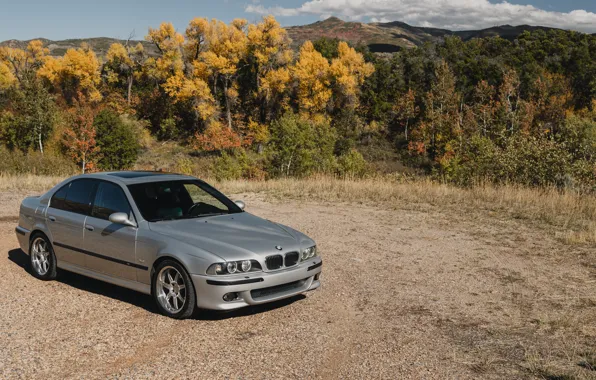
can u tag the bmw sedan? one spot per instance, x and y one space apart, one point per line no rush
171 236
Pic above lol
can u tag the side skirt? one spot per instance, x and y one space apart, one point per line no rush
133 285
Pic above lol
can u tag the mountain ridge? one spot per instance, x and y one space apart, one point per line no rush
380 37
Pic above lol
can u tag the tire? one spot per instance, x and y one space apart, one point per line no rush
42 259
173 291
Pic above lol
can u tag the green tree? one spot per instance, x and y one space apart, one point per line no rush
32 117
300 147
116 139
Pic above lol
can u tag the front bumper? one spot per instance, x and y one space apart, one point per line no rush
257 288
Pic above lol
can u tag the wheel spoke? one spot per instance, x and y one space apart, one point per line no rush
179 296
176 277
175 302
170 278
164 285
181 286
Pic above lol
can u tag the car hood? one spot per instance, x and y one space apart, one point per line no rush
238 236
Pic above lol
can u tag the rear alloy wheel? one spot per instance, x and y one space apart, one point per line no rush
173 290
42 258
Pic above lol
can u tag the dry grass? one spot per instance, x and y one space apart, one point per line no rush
573 217
27 182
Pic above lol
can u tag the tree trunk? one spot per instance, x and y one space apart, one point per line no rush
407 121
130 80
83 164
40 143
227 98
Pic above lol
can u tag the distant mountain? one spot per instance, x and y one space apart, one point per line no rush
379 37
392 36
99 45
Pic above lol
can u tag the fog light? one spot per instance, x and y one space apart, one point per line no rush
232 267
230 297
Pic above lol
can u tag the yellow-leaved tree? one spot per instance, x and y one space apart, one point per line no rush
182 77
349 70
271 55
17 65
227 47
312 75
76 75
123 62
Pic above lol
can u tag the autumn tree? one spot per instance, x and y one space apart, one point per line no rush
32 109
181 79
227 47
17 65
406 109
441 124
270 55
123 62
349 70
312 76
76 75
79 138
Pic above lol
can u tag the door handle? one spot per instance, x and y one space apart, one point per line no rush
52 218
89 228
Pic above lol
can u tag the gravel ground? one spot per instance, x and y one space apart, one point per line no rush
417 293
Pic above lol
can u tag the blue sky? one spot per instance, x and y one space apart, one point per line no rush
60 19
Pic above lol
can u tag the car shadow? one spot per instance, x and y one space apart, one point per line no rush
144 301
88 284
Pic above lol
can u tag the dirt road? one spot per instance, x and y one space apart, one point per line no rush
415 293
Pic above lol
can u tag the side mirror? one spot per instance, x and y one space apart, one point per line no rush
121 218
240 204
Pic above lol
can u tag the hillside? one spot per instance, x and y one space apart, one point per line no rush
99 45
392 36
379 37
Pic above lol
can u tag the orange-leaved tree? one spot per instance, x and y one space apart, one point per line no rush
79 137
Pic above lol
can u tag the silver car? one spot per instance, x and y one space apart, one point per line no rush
171 236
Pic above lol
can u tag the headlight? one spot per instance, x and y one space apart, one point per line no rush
309 253
231 267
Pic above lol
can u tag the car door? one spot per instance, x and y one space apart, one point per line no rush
111 247
66 214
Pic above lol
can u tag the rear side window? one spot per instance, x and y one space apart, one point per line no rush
109 199
59 198
78 198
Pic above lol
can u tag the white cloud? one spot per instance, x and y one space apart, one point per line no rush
449 14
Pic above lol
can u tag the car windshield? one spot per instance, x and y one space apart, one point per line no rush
174 200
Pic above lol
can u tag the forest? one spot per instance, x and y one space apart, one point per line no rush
239 102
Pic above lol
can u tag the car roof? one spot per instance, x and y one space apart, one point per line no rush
132 177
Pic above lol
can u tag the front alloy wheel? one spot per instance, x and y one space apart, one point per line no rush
173 290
